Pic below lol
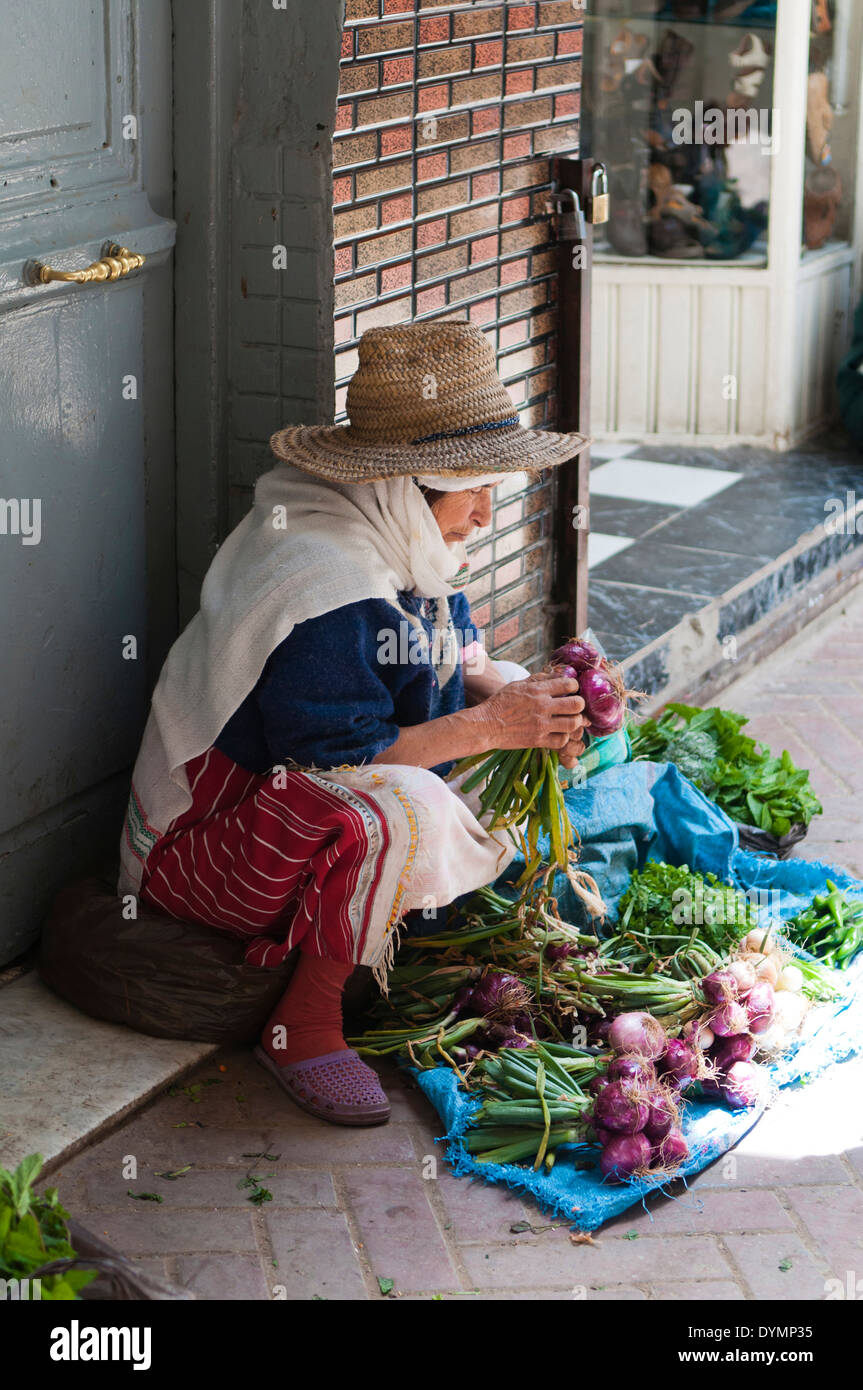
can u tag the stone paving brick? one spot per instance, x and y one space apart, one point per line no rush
398 1229
315 1255
233 1277
551 1257
480 1212
709 1212
834 1219
703 1290
760 1259
768 1170
148 1230
213 1188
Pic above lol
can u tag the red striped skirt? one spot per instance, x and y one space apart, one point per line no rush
278 861
331 860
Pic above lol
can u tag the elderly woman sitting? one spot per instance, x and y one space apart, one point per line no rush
289 786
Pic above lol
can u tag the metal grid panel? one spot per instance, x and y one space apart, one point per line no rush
448 116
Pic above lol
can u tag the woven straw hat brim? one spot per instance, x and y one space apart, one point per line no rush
329 452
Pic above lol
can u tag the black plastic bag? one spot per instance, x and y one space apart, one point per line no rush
160 976
763 842
118 1278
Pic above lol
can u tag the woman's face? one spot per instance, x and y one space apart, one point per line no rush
459 514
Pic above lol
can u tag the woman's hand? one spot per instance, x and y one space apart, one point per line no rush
544 711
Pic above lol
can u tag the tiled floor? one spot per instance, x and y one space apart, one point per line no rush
673 528
778 1217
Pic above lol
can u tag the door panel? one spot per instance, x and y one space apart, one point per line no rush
86 444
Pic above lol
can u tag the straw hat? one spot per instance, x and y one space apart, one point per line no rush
425 398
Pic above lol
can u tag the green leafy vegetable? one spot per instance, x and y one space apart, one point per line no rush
740 775
33 1233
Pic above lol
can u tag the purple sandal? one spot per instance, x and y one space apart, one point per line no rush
337 1087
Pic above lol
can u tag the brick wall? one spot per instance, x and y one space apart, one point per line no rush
448 116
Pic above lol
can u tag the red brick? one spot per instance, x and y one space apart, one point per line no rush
344 115
396 277
396 209
485 120
519 82
396 140
485 185
512 333
344 260
434 30
482 615
483 249
431 166
516 146
504 632
515 209
342 190
566 104
428 300
347 43
513 271
487 55
484 311
431 233
521 17
508 573
433 98
398 70
569 41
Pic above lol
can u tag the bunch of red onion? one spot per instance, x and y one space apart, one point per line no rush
600 685
635 1112
501 999
744 1006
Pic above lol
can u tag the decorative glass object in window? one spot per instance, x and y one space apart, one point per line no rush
831 123
678 103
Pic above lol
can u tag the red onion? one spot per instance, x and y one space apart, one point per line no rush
498 996
736 1049
720 987
744 974
561 952
662 1117
598 1084
462 998
631 1069
639 1034
603 1135
742 1085
760 1006
581 656
671 1150
729 1019
603 707
614 1109
600 1030
624 1155
679 1062
698 1035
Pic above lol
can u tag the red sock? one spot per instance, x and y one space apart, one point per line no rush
308 1019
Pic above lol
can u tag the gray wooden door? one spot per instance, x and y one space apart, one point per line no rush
87 574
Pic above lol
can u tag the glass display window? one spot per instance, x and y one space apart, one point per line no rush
678 103
832 114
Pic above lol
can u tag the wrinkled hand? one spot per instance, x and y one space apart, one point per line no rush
544 711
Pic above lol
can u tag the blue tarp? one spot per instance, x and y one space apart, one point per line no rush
624 816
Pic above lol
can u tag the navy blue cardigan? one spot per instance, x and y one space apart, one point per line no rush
339 687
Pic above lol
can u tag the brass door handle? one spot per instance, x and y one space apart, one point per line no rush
116 261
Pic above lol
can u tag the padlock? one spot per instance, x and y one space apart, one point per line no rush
599 199
573 224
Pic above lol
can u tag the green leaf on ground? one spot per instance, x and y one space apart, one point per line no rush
385 1285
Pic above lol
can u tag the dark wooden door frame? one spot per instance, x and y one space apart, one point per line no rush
572 512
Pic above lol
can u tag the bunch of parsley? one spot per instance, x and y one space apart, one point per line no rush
33 1233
